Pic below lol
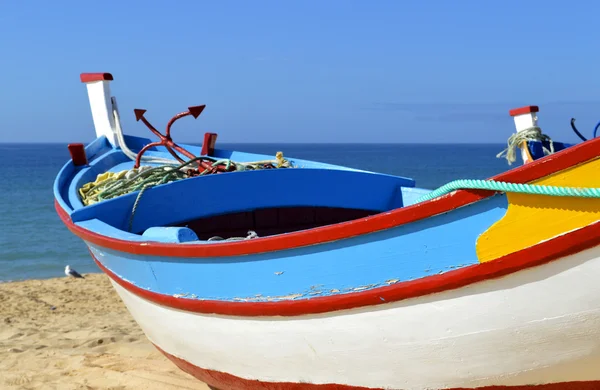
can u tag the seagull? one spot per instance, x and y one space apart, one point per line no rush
72 273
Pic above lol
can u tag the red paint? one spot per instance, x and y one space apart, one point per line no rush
166 140
224 381
208 146
89 77
544 252
195 111
542 167
139 114
77 152
523 110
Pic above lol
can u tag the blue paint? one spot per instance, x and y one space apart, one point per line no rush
431 246
434 245
61 189
536 148
89 174
205 196
97 148
103 158
106 230
410 195
170 234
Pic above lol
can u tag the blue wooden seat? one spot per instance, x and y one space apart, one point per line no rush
239 192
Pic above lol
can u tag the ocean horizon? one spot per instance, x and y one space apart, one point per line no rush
34 243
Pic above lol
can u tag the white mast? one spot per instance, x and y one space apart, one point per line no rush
98 87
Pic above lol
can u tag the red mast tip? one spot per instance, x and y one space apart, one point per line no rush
139 113
523 110
196 110
90 77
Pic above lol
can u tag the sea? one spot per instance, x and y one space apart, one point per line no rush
34 244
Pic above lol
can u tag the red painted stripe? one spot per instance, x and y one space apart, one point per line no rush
224 381
89 77
523 110
545 252
545 166
281 242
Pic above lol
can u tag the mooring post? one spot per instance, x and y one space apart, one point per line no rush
98 87
525 118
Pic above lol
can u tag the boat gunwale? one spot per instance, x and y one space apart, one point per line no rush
536 255
545 166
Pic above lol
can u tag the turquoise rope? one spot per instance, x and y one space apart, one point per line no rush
579 192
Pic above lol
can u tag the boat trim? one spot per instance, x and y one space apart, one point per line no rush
544 252
564 159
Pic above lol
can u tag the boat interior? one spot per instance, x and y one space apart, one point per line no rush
232 204
235 204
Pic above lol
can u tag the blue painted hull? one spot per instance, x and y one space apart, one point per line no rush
428 247
323 276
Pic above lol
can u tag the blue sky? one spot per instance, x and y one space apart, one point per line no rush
303 71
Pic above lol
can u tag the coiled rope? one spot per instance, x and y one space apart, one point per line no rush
530 134
146 177
579 192
129 181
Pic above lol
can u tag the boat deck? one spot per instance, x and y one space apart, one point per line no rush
268 202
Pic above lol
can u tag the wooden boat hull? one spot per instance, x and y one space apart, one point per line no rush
483 334
528 318
436 306
472 289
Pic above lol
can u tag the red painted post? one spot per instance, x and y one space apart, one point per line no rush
78 155
208 146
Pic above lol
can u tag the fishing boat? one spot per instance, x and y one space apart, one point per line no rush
271 272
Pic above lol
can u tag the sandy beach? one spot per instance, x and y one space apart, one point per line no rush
68 333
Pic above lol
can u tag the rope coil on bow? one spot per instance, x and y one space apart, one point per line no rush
516 139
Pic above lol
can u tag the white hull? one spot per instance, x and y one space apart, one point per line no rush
539 325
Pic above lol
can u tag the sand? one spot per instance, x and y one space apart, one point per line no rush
68 333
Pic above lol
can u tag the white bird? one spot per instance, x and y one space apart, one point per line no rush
72 273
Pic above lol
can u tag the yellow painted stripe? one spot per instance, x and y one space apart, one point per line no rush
531 219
